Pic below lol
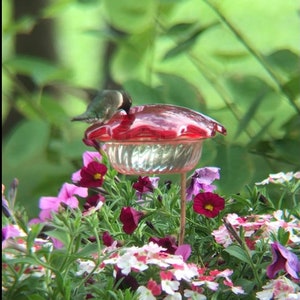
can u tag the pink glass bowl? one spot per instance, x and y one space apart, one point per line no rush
154 139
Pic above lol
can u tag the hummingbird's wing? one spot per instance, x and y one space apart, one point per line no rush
102 108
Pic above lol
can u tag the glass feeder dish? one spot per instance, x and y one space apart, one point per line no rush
154 139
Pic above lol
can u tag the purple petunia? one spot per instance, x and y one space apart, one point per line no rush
283 259
201 181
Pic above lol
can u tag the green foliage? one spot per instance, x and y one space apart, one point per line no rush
237 62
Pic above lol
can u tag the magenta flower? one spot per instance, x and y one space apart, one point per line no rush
8 232
92 175
283 259
208 204
66 196
87 157
201 181
184 250
145 185
130 219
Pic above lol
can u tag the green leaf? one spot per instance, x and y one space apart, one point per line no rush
28 140
292 87
238 253
60 235
230 55
35 229
131 15
23 25
142 93
236 167
183 45
180 30
288 149
177 90
35 297
283 236
285 59
258 137
187 43
249 115
22 260
87 250
41 70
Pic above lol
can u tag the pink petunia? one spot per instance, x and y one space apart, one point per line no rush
66 195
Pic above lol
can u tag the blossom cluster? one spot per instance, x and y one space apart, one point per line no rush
102 227
171 270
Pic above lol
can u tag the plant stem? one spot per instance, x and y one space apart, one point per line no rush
183 207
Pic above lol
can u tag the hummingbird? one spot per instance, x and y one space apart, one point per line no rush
104 105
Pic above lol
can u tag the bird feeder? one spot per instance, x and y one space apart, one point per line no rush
155 139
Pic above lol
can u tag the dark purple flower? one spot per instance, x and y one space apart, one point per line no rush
168 242
92 175
208 204
145 185
201 181
126 281
283 259
107 239
130 219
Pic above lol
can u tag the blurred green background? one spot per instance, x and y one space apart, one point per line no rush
235 61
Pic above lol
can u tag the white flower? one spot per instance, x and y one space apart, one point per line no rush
279 289
145 294
126 262
85 267
153 248
222 236
297 175
194 295
175 296
186 272
278 178
169 286
210 284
